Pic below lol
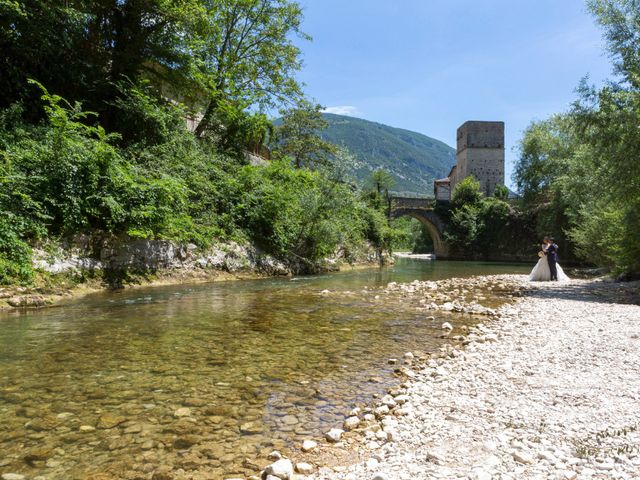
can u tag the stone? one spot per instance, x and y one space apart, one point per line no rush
251 428
12 476
372 463
309 445
447 326
334 435
381 411
304 468
522 457
351 423
86 428
380 476
282 469
182 412
289 420
275 455
108 421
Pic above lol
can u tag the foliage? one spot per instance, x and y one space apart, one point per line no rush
578 167
298 136
482 226
467 192
412 236
501 192
300 214
246 53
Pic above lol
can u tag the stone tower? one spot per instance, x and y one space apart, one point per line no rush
480 153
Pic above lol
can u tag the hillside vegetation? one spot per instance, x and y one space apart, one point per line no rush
413 160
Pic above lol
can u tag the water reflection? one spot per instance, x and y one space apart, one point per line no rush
206 378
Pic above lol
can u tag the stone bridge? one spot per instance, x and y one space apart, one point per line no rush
422 209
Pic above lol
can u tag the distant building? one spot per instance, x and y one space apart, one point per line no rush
480 153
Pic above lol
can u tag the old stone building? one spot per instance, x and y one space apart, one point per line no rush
480 153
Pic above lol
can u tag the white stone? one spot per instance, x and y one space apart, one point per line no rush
282 469
522 457
274 455
309 445
447 326
12 476
381 410
182 412
372 464
350 423
304 468
334 435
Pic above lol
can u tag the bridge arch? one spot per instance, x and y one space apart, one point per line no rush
422 210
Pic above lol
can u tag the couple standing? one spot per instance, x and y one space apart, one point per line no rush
547 267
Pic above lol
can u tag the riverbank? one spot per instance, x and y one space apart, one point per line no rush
72 273
547 389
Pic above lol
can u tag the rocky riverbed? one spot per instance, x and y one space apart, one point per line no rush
548 388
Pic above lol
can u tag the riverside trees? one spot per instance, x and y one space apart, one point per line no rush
98 142
579 169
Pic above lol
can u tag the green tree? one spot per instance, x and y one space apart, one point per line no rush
246 52
299 137
467 192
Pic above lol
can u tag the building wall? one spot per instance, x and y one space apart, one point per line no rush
480 152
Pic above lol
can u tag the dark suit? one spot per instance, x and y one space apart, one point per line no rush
552 258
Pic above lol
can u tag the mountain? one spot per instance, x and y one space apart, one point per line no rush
413 159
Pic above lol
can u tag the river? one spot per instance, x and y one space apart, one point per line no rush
206 378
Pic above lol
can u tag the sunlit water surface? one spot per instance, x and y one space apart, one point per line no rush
206 378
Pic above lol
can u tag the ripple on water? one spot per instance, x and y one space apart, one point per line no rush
206 378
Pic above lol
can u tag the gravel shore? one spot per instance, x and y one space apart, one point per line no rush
548 390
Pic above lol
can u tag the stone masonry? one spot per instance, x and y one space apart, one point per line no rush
480 153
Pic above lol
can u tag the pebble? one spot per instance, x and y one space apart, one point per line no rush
546 374
334 435
309 445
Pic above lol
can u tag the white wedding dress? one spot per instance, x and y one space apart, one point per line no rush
542 273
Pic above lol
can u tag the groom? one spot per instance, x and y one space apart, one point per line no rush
552 257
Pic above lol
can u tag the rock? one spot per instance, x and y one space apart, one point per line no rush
282 469
183 443
308 445
334 435
351 423
182 412
86 428
381 411
388 400
372 464
108 421
447 326
290 420
382 435
275 455
522 457
380 476
304 468
251 428
12 476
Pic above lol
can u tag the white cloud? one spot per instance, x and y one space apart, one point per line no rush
349 110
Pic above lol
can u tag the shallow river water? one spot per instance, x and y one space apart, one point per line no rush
205 378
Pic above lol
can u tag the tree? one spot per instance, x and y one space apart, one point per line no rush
298 136
501 192
246 52
467 192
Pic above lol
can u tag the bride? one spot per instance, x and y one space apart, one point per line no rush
541 272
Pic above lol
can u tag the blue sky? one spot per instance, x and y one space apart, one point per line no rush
431 65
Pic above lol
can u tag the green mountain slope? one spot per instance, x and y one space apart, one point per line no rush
413 159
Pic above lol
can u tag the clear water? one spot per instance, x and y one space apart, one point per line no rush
203 379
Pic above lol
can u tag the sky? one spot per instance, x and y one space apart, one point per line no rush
431 65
